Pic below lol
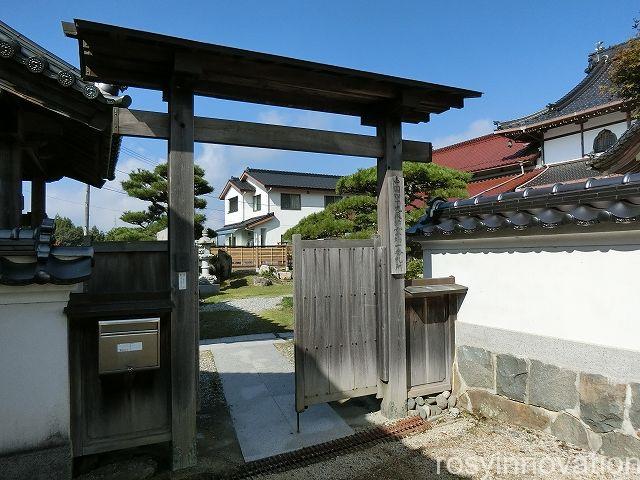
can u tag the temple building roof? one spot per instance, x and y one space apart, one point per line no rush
489 152
66 121
591 97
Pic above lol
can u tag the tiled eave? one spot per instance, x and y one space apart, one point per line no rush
573 118
597 204
27 256
39 61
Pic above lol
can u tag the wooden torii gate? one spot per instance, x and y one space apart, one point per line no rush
181 69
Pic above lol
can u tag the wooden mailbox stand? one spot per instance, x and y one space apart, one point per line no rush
181 69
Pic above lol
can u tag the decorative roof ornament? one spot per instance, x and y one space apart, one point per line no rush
37 60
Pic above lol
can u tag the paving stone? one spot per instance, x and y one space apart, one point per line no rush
634 410
571 430
441 401
601 403
619 445
475 366
446 394
511 377
431 400
508 411
552 387
452 400
411 404
420 400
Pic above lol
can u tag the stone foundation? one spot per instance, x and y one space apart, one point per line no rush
584 409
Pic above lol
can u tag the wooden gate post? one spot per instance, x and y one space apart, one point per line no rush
391 228
183 271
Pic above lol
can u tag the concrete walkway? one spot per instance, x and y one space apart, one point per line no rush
258 384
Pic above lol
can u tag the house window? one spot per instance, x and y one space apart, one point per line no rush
257 203
233 204
329 199
604 140
290 201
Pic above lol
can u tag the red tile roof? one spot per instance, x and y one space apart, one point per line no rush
486 152
498 185
491 186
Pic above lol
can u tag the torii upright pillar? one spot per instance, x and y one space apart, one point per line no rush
183 271
391 228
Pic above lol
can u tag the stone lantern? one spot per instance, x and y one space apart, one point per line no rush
207 283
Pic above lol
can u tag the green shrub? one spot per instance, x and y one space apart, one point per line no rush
415 267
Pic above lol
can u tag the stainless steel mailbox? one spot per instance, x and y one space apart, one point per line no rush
128 345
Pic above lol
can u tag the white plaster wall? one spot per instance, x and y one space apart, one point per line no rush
237 216
561 130
604 119
585 291
311 201
34 368
562 149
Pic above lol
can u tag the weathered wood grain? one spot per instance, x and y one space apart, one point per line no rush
394 401
184 319
336 316
145 124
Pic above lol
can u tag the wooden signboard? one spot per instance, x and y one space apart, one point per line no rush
396 224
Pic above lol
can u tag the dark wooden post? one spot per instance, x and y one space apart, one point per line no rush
183 272
391 230
38 201
10 183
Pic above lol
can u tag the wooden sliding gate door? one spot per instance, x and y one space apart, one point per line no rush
336 319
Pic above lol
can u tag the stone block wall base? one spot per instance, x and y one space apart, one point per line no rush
508 411
583 409
46 464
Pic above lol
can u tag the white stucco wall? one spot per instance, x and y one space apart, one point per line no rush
562 149
583 289
563 143
34 394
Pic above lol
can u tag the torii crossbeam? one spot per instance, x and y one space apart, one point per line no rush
183 68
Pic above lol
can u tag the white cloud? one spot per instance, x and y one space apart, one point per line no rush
477 128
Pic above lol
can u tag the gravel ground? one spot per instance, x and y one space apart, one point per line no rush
286 349
466 448
252 304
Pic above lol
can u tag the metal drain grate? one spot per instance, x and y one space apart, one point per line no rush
323 451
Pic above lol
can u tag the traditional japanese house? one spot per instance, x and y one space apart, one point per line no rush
582 124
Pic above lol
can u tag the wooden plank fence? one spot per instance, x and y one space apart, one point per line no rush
252 257
335 301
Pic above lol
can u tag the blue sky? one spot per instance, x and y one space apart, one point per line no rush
521 55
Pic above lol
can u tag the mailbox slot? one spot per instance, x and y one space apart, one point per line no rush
128 345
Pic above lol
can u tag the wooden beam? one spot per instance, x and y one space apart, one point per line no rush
183 271
38 201
390 220
145 124
10 183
